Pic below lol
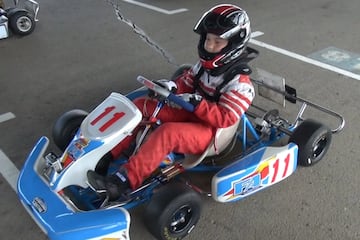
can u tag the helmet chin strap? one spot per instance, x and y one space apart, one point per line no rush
120 16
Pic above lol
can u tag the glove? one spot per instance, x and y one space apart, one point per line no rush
167 84
192 98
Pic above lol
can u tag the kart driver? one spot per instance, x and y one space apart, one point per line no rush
218 86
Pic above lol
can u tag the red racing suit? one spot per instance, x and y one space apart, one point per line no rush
185 132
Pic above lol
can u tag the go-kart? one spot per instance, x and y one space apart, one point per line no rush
20 19
242 160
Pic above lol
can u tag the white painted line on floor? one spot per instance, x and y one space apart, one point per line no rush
303 58
6 116
256 34
8 170
157 9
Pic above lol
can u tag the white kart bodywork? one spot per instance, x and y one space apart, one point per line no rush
107 125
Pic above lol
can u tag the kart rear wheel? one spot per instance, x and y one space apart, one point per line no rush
21 23
173 212
180 71
313 140
66 127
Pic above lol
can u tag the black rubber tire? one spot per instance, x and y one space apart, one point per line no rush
173 212
66 127
21 23
180 70
313 140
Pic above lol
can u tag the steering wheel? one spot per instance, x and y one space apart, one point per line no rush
165 93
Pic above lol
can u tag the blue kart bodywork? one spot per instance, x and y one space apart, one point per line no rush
54 217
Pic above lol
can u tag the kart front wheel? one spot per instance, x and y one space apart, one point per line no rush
21 23
313 140
173 212
66 127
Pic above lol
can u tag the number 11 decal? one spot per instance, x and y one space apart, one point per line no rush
108 110
276 167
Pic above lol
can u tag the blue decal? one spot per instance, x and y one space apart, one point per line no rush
247 185
339 58
80 146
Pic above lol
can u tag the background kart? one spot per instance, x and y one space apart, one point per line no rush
249 156
20 19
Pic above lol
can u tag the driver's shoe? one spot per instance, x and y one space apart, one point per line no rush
114 185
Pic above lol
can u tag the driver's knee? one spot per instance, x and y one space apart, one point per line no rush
145 105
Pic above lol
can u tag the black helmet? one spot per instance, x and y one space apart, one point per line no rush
229 22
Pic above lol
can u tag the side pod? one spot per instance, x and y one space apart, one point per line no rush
254 172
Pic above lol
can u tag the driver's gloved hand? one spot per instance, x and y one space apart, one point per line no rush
167 84
192 98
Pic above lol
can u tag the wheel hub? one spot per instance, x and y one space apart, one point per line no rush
181 219
24 23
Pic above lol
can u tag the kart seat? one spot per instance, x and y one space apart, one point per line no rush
221 140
